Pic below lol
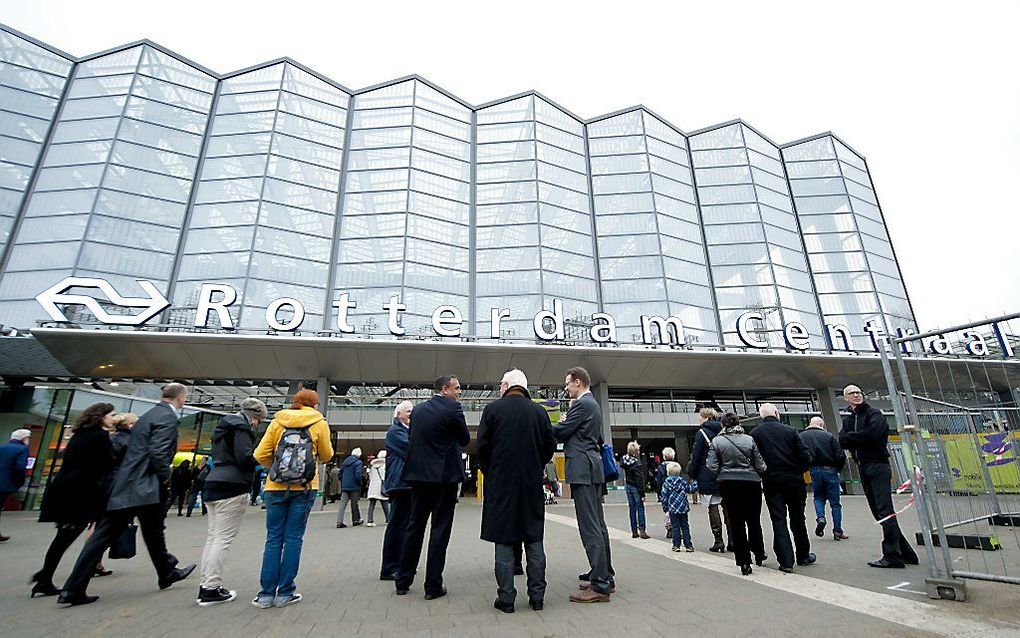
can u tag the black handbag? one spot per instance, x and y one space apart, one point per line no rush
125 545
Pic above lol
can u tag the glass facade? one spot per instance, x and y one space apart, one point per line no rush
754 244
139 164
852 260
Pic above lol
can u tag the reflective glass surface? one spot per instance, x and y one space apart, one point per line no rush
851 257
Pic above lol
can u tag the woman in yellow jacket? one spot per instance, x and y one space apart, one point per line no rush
288 504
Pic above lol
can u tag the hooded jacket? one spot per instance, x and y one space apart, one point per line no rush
303 417
233 470
351 472
377 476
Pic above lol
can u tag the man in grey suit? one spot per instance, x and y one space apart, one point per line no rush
581 433
138 491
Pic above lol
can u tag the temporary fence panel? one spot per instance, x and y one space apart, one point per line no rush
962 411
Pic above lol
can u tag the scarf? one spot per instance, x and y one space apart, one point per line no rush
736 429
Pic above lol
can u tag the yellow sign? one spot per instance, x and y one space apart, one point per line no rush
997 453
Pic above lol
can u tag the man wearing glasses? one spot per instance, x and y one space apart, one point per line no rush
865 434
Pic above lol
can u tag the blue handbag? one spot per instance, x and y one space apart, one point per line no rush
609 467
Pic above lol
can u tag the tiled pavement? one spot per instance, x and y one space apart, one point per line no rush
658 593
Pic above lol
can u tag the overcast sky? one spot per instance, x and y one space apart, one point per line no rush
929 93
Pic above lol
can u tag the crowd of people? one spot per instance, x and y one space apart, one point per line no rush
117 469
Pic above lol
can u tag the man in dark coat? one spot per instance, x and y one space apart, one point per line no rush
352 471
787 459
515 442
434 471
13 461
580 430
865 434
397 490
827 461
707 484
139 488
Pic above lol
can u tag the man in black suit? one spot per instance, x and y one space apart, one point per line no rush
581 433
515 442
434 471
139 490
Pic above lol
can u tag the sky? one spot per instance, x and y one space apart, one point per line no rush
928 92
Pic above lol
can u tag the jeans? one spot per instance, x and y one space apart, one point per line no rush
224 523
193 501
286 517
636 507
825 485
385 509
681 530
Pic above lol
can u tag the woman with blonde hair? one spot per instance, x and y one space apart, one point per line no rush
635 489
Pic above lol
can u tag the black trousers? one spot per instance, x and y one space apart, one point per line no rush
876 479
65 537
396 526
591 524
507 560
785 497
435 501
108 529
180 497
742 500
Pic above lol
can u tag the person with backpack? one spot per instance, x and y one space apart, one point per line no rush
292 447
376 478
226 491
352 471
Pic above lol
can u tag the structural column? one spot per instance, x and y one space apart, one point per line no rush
601 392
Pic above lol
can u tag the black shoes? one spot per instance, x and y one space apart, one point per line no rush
387 577
584 577
808 560
537 605
820 527
785 569
177 574
518 570
745 570
73 600
911 561
356 523
434 595
884 564
717 547
758 560
208 597
506 608
341 525
729 547
402 592
44 589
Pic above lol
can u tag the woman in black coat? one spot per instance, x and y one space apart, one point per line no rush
77 495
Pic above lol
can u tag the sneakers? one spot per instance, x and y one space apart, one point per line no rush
369 524
688 549
677 549
356 523
341 525
262 602
820 527
283 601
208 597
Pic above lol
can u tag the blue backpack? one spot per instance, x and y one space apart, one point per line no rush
609 466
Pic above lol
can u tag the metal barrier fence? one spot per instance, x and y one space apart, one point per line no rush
958 419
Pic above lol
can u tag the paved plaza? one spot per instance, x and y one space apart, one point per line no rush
659 592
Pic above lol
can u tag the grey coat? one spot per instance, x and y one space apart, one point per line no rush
730 455
146 465
580 431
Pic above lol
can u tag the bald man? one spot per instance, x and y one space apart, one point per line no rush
865 435
827 461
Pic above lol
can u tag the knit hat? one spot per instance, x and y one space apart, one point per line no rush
21 435
254 409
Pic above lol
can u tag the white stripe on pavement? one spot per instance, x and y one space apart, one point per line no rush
902 611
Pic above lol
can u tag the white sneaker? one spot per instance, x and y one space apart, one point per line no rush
261 603
369 524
